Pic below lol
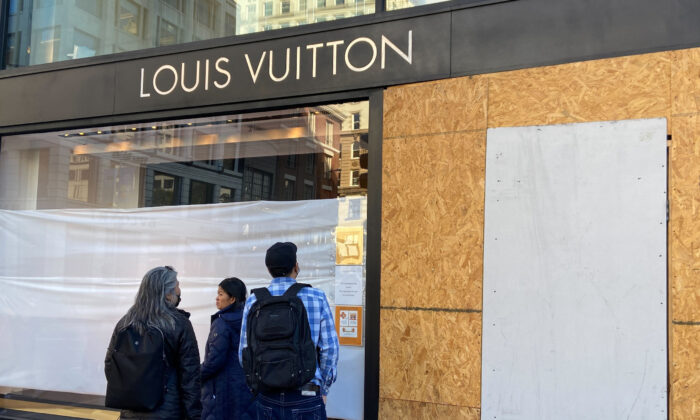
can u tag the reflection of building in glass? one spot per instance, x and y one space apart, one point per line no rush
276 155
42 31
353 144
264 15
46 31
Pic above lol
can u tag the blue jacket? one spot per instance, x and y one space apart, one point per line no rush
225 394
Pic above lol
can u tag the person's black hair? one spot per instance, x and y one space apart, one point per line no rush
280 272
281 258
235 288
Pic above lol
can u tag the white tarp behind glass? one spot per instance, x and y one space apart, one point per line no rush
67 276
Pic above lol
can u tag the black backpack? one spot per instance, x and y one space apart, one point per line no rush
281 354
136 370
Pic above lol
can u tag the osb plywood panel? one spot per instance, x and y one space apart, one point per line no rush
412 410
437 107
432 220
684 223
685 372
685 81
430 356
601 90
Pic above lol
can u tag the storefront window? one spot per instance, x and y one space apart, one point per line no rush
84 213
49 31
181 162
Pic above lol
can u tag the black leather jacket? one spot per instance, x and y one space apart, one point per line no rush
182 397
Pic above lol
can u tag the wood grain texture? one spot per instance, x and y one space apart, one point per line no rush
432 220
685 373
431 356
436 107
390 409
684 221
602 90
685 81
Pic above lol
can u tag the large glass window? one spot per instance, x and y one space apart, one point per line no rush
35 27
176 162
84 213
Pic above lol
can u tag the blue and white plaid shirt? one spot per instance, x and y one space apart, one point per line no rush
322 329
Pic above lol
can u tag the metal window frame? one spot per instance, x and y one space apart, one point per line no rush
4 22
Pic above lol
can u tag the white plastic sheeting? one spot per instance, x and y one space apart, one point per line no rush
67 276
575 272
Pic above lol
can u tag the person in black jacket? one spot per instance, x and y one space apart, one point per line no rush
225 394
156 305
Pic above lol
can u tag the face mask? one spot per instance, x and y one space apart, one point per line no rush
178 300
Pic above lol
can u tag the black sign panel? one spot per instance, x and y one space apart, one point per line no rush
359 57
345 59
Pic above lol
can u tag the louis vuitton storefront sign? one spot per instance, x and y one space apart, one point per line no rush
176 76
345 59
247 69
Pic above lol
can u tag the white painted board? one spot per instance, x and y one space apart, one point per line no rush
574 308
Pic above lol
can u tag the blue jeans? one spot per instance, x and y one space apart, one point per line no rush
289 406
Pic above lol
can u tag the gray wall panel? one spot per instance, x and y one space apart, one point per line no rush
529 33
59 95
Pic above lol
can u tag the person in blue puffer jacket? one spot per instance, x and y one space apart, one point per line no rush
225 394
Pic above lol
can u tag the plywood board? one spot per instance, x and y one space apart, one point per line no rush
390 409
445 106
432 220
600 90
575 272
684 223
430 356
685 381
685 81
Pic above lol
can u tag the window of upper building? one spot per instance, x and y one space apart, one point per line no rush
284 7
356 121
356 150
404 4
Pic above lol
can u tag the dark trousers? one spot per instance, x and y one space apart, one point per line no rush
289 406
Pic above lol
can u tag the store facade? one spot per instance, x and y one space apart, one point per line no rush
99 155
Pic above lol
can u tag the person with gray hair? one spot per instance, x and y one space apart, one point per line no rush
155 307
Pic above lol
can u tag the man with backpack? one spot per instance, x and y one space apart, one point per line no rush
289 347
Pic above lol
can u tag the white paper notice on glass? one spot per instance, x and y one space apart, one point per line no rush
348 285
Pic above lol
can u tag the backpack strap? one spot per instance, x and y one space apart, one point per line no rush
294 289
262 293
